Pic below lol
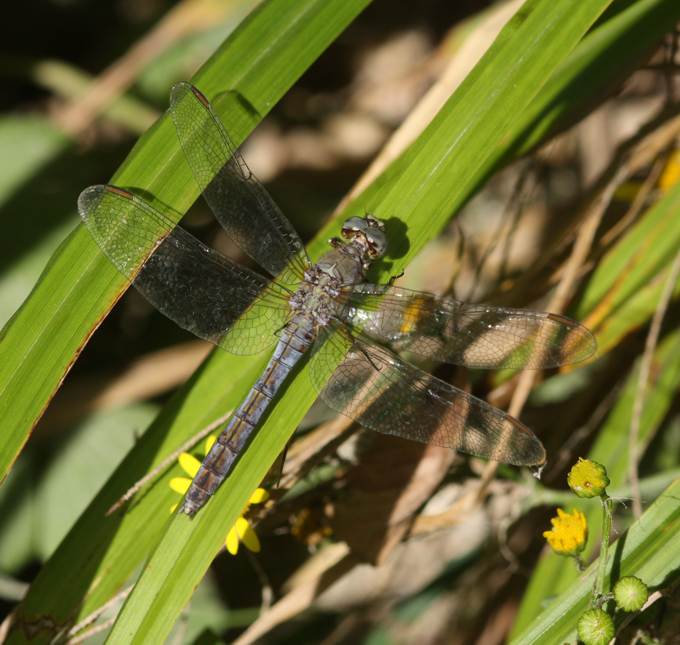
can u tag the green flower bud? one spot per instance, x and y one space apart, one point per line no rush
588 478
595 627
630 593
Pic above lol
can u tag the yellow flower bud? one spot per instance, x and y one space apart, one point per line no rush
588 478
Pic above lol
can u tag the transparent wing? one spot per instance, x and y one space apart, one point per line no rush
480 336
190 283
240 203
383 393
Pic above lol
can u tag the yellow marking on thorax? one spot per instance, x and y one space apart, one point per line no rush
412 314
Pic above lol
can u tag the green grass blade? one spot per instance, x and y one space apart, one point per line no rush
626 286
602 61
261 60
606 55
474 130
554 574
649 550
28 143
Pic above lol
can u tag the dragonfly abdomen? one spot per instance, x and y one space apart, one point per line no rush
295 340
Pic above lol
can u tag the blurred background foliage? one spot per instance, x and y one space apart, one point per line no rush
587 223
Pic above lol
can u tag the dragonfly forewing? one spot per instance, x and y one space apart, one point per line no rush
241 204
190 283
477 336
386 394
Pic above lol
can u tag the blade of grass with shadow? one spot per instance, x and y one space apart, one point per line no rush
606 56
624 39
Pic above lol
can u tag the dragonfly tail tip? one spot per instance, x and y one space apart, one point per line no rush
188 508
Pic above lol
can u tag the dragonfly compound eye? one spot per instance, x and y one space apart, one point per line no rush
377 242
352 226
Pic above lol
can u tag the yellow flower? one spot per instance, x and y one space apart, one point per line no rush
569 533
242 531
588 478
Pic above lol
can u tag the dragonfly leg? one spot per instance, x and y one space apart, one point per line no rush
394 278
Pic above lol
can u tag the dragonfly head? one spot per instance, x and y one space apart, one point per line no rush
369 233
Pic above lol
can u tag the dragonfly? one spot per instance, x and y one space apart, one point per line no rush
352 332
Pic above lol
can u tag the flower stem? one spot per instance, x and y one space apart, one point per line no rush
598 589
580 564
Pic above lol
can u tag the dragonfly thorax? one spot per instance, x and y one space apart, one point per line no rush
316 295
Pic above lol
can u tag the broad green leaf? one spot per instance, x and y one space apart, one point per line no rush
27 145
649 549
605 56
553 574
55 481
